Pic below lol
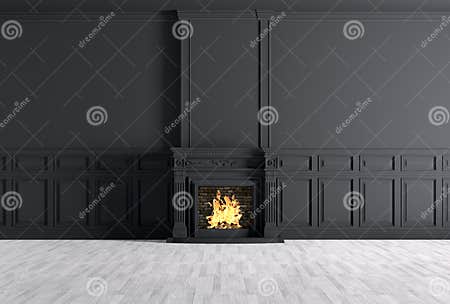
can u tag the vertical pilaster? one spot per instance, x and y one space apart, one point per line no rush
179 191
271 196
179 176
264 75
179 226
185 98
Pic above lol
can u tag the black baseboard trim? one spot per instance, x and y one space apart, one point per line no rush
85 233
360 233
161 233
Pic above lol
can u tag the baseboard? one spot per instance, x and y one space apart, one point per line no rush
75 232
365 233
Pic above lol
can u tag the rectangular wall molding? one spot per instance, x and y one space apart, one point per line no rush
80 194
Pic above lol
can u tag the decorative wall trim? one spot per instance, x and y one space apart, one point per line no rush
57 185
150 16
324 16
237 15
218 15
396 196
345 16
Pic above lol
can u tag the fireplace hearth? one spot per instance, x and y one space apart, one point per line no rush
224 191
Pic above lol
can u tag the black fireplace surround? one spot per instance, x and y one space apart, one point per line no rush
194 168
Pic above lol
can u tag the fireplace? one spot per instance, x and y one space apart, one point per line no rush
224 194
225 210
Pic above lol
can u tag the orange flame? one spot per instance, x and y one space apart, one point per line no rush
226 213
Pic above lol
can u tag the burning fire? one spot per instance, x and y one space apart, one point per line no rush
226 213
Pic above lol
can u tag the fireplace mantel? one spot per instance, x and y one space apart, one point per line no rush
220 158
194 166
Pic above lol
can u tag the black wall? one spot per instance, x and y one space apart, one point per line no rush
131 68
305 68
317 77
54 158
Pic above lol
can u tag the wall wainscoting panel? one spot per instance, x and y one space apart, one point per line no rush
392 193
71 199
332 211
419 194
379 202
300 195
79 194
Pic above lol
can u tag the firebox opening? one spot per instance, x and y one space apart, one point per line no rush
225 207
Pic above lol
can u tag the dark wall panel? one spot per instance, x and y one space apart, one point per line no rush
225 77
320 75
379 202
73 199
36 194
113 209
131 68
331 207
300 196
154 193
418 196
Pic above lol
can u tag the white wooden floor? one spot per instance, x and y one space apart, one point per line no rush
295 272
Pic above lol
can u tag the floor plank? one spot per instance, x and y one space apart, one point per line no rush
306 271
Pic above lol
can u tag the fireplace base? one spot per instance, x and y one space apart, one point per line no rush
271 231
238 240
225 233
180 230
